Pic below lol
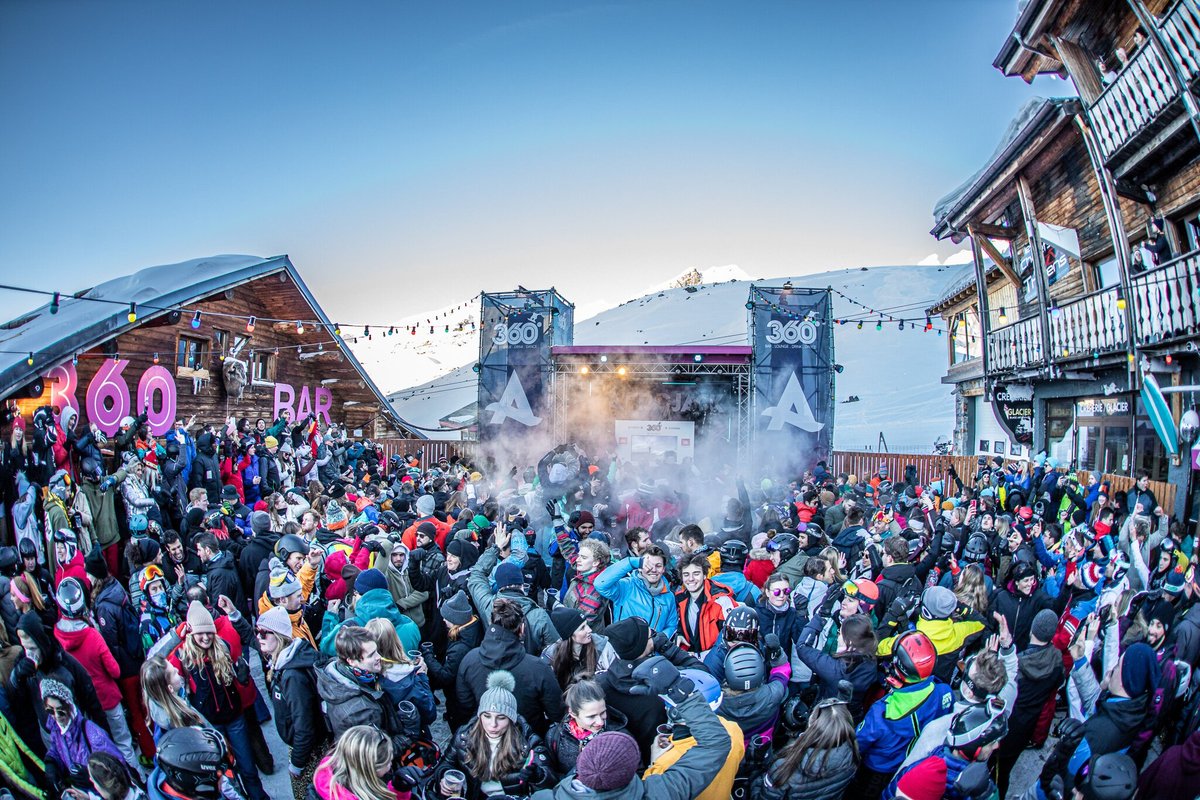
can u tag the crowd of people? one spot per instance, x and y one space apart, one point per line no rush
583 628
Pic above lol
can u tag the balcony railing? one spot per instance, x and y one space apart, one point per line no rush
1181 32
1166 301
1088 326
1015 346
1131 104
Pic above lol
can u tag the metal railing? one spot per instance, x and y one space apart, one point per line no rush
1015 346
1134 100
1166 300
1088 326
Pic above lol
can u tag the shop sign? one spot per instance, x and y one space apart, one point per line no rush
1013 407
108 397
318 401
1103 407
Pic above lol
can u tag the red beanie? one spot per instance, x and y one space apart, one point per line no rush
925 781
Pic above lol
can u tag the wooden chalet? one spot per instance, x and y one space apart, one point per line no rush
215 337
1085 230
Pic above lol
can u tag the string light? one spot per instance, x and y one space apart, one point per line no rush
54 304
156 358
250 324
132 315
1003 316
300 328
29 358
337 329
860 322
196 320
1120 298
879 324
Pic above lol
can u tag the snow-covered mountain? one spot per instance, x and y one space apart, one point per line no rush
896 374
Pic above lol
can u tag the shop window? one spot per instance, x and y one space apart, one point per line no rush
1117 454
221 341
264 368
192 353
1187 231
1088 448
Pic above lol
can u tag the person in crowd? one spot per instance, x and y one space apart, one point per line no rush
495 576
819 763
164 694
193 762
702 603
539 698
360 768
645 594
464 633
590 559
498 751
76 633
290 674
72 738
369 600
213 680
404 678
580 653
587 715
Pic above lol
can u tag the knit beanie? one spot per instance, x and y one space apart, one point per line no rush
566 621
283 582
57 690
925 781
1045 624
277 621
628 637
585 518
609 761
95 564
1090 574
1139 669
457 610
938 602
335 516
499 698
428 529
1174 582
260 523
369 579
200 619
425 505
1162 611
509 574
148 549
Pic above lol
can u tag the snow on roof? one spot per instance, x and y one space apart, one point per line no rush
1021 128
81 324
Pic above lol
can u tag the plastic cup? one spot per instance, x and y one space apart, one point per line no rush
663 736
453 782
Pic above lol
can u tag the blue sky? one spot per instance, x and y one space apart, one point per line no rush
408 155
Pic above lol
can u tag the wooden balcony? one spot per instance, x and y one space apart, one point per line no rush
1015 346
1088 327
1140 120
1166 301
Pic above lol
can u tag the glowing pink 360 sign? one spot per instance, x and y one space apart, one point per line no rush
108 397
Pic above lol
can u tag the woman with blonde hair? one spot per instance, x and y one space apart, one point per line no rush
163 693
837 562
212 681
358 768
972 590
403 678
26 596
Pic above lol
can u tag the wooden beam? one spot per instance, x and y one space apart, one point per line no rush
1025 198
997 257
996 231
984 322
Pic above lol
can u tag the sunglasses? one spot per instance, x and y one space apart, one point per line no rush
263 632
784 592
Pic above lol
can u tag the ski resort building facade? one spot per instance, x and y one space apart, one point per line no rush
1085 231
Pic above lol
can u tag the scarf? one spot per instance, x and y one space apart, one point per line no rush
579 733
362 676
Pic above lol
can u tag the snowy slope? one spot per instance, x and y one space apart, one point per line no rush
896 374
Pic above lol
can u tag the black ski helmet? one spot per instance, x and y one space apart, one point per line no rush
976 549
70 598
786 544
977 726
1112 776
741 625
288 544
193 760
744 668
733 555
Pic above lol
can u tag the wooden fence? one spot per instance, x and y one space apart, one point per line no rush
932 467
435 450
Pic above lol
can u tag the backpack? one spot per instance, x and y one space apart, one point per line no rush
1162 701
129 628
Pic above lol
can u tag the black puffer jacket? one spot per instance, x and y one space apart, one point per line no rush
444 674
563 748
221 578
293 689
831 772
521 783
539 700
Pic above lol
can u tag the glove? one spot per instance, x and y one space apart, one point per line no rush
832 598
408 777
661 640
108 483
774 650
1070 734
416 555
1055 790
373 547
975 781
295 771
659 676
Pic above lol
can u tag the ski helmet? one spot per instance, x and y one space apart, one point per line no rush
976 550
1112 776
977 726
913 659
733 555
288 544
70 598
148 575
26 548
744 668
708 686
794 715
67 537
193 761
741 625
786 544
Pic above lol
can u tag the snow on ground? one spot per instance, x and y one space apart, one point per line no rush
896 374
